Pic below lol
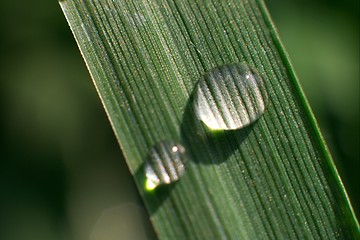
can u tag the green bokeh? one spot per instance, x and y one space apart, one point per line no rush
61 166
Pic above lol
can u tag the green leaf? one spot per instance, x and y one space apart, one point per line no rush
274 179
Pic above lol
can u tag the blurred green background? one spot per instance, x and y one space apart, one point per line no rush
61 166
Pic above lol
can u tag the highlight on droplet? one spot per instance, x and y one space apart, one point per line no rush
150 185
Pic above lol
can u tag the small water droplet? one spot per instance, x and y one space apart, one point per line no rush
165 164
229 97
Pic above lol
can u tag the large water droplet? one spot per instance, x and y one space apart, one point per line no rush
165 164
229 97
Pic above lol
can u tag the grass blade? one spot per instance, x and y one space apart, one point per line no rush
272 180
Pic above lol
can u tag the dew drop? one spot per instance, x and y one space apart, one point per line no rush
229 97
165 164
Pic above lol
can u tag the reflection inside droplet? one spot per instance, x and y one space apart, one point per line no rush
229 97
165 164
